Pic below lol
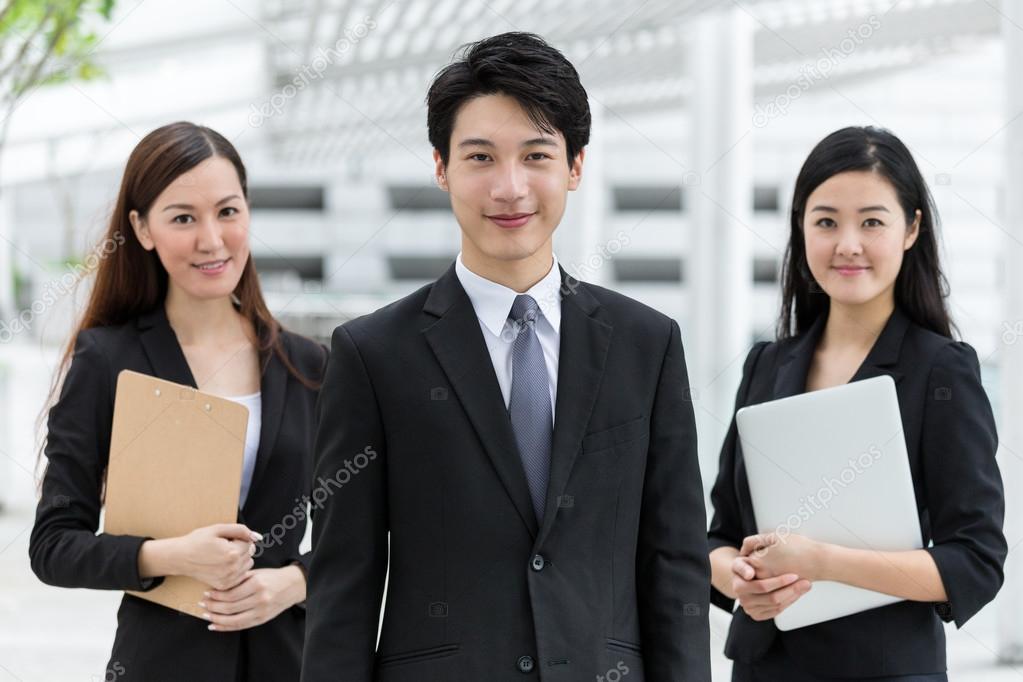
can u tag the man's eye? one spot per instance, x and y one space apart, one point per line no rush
479 157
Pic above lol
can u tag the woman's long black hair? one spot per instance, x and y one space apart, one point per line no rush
920 288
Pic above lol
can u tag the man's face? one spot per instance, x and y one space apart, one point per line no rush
507 179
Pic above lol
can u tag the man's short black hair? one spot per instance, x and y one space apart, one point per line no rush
522 66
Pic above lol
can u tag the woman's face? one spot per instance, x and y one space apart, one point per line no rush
199 227
856 234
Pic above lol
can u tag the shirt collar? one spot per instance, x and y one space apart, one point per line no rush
493 302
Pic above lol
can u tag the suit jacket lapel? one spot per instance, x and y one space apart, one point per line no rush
884 354
457 341
162 348
792 370
582 354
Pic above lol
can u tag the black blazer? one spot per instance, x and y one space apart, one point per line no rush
615 578
154 643
951 442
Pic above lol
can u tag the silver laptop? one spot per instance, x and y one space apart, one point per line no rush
832 465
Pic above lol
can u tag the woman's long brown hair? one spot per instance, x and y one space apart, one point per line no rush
130 281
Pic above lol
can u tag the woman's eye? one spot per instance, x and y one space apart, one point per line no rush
872 222
228 211
182 219
826 222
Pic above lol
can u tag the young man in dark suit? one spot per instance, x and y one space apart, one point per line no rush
533 494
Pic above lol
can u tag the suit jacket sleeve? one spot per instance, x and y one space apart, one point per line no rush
349 513
726 524
673 571
64 548
965 499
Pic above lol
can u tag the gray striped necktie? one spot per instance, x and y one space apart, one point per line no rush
530 404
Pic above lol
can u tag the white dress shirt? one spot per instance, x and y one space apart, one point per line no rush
493 302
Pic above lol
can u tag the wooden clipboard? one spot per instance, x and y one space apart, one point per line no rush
175 465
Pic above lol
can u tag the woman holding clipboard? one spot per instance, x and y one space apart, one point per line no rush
864 295
176 296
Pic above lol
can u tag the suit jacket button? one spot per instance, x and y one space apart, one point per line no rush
538 563
525 664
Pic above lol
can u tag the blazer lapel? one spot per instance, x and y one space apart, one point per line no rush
582 354
457 341
884 354
162 348
791 377
272 386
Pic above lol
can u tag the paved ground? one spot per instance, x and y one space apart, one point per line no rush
54 635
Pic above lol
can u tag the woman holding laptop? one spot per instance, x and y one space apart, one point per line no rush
863 296
176 296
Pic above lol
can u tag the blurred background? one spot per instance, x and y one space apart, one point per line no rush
702 115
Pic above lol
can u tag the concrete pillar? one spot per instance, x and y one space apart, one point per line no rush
719 189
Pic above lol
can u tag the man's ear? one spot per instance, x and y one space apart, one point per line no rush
138 225
575 173
439 171
913 231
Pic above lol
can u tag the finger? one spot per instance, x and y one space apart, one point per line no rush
757 562
771 584
244 588
242 547
235 578
226 608
751 544
785 596
238 621
742 568
236 531
796 593
752 599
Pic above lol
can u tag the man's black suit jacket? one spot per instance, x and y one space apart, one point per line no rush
426 486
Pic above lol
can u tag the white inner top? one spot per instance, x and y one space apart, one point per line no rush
254 402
